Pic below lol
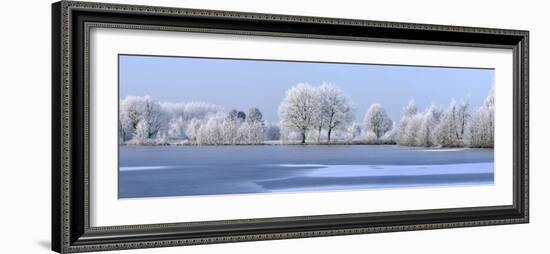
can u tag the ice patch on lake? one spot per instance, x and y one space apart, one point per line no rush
301 165
144 168
394 170
443 150
347 188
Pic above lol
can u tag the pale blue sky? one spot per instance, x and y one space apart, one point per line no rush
242 84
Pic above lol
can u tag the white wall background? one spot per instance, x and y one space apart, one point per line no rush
25 125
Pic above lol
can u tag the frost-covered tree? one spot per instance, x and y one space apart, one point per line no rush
319 113
140 109
408 112
480 130
335 108
426 133
210 133
463 116
434 126
353 132
231 126
142 133
250 133
153 116
179 115
377 120
130 112
177 128
254 127
296 110
289 135
448 131
192 130
410 134
370 137
391 136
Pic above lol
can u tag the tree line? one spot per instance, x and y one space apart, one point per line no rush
308 114
455 126
143 121
307 111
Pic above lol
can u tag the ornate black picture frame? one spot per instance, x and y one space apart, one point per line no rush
71 230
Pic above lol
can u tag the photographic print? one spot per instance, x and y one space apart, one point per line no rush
213 126
175 126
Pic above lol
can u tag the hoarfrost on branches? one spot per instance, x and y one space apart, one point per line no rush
370 137
353 133
448 131
297 109
426 133
481 129
322 109
335 107
377 121
390 137
453 126
408 112
141 119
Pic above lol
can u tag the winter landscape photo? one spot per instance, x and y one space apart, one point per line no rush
212 126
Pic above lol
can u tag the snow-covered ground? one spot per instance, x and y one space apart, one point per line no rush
135 168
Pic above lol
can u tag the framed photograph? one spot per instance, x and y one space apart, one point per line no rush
181 126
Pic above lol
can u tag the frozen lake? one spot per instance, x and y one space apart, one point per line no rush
159 171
